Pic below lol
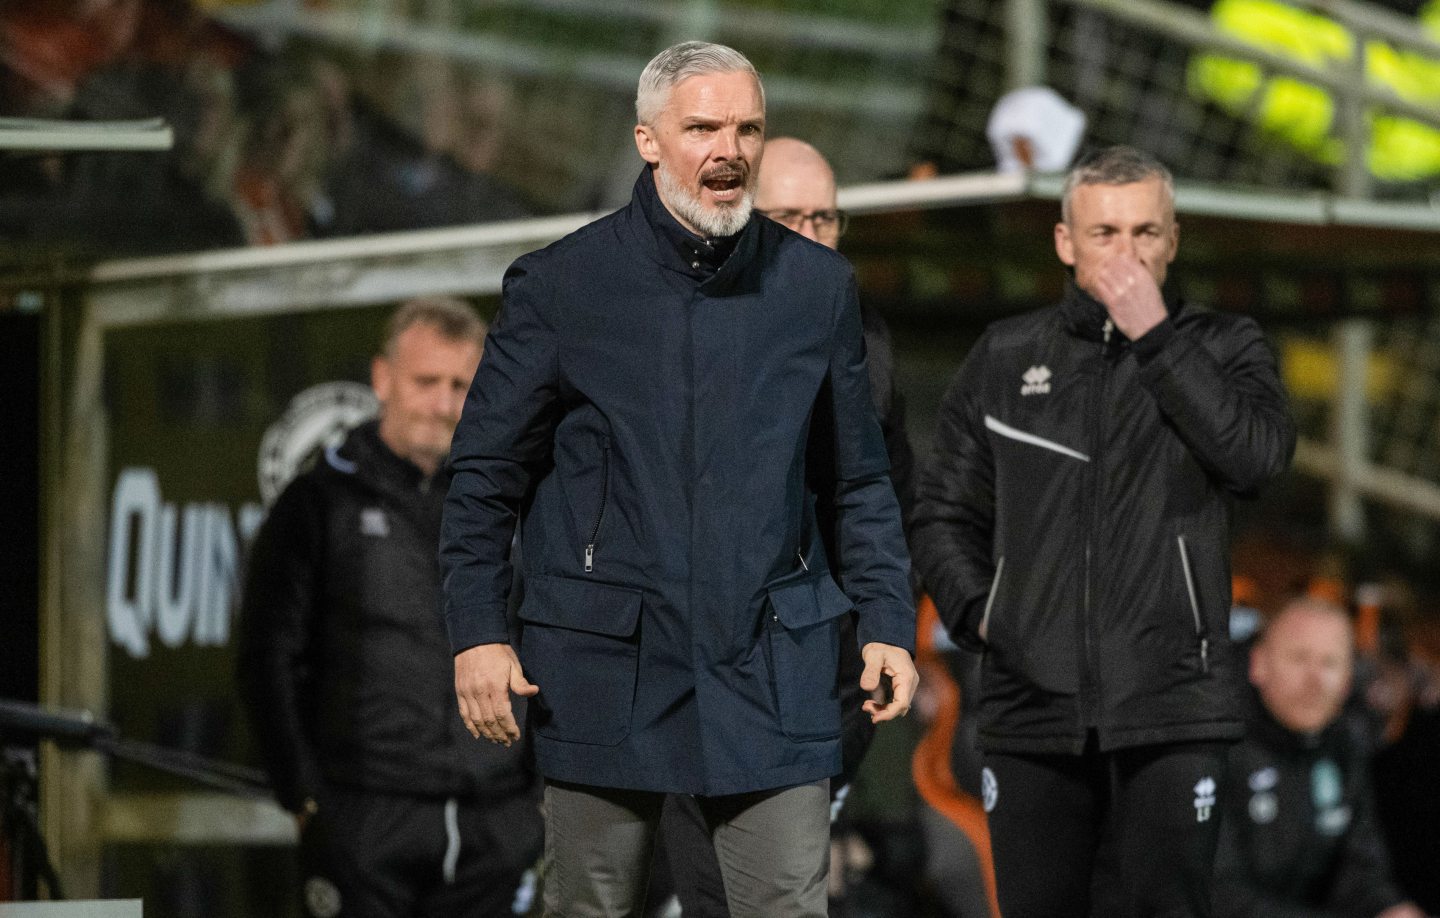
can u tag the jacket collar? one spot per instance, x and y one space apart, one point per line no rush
1271 733
1086 316
366 456
666 242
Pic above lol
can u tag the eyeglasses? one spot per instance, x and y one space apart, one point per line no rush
824 221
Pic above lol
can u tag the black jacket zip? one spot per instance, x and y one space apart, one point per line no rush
600 515
1089 668
1194 604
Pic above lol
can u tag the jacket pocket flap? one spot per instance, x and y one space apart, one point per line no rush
802 603
581 605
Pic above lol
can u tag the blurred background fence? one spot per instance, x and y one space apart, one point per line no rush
301 118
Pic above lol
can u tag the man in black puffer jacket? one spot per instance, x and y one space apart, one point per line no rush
1074 524
345 666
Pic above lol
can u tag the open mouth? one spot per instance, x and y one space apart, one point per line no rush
725 186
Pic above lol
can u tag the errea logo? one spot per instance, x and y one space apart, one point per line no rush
1037 381
1204 798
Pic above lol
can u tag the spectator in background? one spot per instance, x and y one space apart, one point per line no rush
51 48
345 668
417 151
284 152
150 202
796 188
269 148
1299 839
119 60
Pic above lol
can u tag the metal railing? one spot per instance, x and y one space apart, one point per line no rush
1125 63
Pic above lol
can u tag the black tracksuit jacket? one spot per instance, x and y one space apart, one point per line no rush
345 667
1078 504
1298 831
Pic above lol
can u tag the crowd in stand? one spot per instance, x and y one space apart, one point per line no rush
269 148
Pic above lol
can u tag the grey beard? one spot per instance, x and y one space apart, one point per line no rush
724 220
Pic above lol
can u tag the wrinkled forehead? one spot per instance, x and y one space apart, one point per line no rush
1148 199
1308 630
723 93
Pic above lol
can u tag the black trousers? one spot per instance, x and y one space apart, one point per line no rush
368 855
1129 833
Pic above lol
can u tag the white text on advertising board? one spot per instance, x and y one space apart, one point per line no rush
172 569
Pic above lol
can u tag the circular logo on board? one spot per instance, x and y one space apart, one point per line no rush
322 898
315 420
989 788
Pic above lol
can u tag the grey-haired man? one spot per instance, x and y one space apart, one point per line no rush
1074 524
649 398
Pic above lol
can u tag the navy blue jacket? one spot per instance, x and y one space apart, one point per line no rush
648 425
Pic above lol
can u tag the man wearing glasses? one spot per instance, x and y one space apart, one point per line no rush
796 188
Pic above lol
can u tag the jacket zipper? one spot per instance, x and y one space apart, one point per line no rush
775 616
1194 604
1091 712
984 628
599 517
802 529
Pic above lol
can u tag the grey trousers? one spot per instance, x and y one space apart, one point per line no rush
773 847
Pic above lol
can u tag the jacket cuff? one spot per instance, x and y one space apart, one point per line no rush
476 628
1149 344
897 629
968 636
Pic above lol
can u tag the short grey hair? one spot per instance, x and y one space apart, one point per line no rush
680 62
1119 165
454 319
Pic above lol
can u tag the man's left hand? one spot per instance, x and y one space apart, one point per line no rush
1131 296
894 662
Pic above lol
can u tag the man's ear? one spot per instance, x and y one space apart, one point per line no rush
1064 244
646 143
381 377
1259 666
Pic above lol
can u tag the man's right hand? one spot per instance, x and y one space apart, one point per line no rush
1130 295
485 675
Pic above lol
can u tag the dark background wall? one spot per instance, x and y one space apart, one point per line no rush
19 505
